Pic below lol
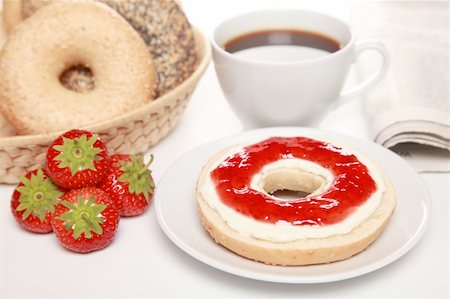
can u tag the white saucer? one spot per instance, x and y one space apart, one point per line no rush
176 209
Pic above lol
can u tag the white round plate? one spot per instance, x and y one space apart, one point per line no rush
176 209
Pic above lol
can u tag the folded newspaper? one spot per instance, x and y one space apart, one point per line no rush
409 109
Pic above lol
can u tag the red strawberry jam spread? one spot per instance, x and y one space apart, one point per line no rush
352 185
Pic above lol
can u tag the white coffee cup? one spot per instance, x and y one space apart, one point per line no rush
286 90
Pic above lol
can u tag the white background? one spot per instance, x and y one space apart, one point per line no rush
143 262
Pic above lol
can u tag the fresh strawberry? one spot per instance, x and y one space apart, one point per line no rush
85 220
33 201
77 159
129 182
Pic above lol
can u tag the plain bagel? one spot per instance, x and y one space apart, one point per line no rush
162 24
12 14
61 36
226 226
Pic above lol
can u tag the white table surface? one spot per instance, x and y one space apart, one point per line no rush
143 262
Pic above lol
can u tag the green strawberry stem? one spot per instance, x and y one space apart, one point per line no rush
77 153
145 168
86 218
39 196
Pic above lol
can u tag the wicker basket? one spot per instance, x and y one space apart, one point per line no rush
133 132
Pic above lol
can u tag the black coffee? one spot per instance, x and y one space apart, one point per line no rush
282 45
290 37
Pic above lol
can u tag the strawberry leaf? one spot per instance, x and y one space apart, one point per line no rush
137 175
38 196
83 217
78 154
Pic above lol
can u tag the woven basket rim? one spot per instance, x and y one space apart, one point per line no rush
204 52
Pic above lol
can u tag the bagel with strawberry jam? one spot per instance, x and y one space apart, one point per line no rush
348 203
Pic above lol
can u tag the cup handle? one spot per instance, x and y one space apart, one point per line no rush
373 79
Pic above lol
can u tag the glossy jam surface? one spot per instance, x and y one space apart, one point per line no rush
352 185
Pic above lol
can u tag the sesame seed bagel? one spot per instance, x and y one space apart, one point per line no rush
271 245
163 26
65 35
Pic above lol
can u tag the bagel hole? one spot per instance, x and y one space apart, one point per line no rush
78 78
289 184
289 194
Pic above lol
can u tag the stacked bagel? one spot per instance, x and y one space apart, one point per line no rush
69 64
